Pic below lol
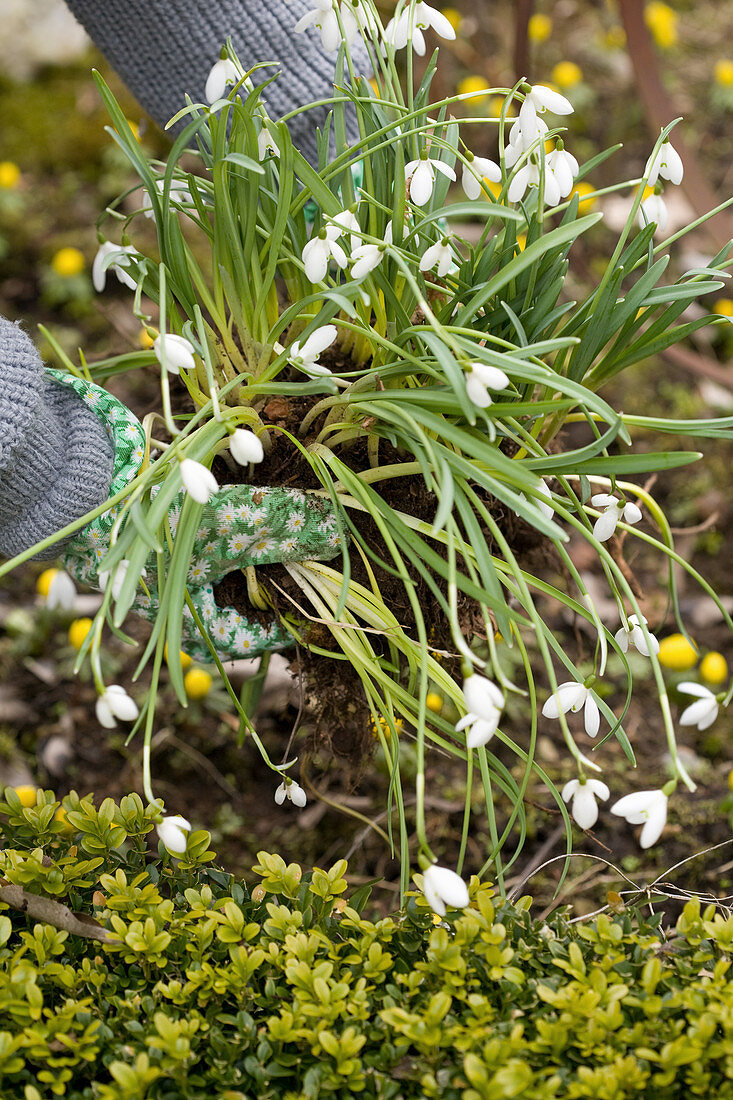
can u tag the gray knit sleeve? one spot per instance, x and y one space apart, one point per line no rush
164 49
55 456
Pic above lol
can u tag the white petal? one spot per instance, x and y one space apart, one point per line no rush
519 184
493 377
622 639
449 887
569 696
482 696
631 512
338 254
245 447
222 73
603 500
439 23
280 794
421 185
689 687
177 352
591 716
569 789
120 703
482 731
584 809
198 482
318 341
635 803
548 100
656 820
297 795
701 713
446 169
477 392
672 168
104 713
315 260
606 524
61 592
430 257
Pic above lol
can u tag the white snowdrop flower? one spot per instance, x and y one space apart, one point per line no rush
177 194
61 592
423 177
266 142
704 711
614 512
347 222
173 831
477 170
572 696
444 889
634 635
480 379
437 255
538 100
176 351
564 168
222 74
364 259
410 25
647 808
480 730
324 17
306 357
667 164
529 176
293 791
319 250
545 506
522 140
584 808
245 447
653 209
483 698
198 482
118 577
115 703
123 254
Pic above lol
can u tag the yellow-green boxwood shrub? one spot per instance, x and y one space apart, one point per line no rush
212 989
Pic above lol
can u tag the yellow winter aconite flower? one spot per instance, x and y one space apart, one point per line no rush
723 72
566 74
186 661
9 175
454 18
78 632
476 86
714 668
43 584
539 27
197 683
724 306
676 653
62 819
434 702
27 794
662 23
145 340
68 262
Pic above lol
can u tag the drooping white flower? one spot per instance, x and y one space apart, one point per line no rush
412 22
245 447
119 572
198 482
319 250
653 209
644 807
293 791
480 379
444 889
477 170
564 168
545 506
306 357
480 730
634 635
483 698
61 592
572 696
421 174
584 808
346 221
178 193
176 351
439 254
173 831
667 164
704 711
102 263
614 512
538 100
324 16
115 703
266 142
522 140
364 259
223 73
529 175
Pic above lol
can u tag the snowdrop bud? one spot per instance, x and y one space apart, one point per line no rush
175 351
61 592
443 889
173 831
115 703
198 482
245 447
223 73
482 697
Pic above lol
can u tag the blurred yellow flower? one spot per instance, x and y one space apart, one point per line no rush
714 668
145 340
62 819
662 23
496 105
676 653
26 794
9 175
43 583
134 126
724 306
724 72
197 683
454 18
68 262
521 241
476 86
398 724
434 702
186 661
78 632
615 38
566 74
539 27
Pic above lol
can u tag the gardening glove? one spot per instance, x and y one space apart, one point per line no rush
241 526
165 49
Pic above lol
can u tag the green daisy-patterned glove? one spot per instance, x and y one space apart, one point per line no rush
242 525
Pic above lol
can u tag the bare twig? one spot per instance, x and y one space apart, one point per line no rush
55 913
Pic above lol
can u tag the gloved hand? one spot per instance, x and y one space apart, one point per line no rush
242 525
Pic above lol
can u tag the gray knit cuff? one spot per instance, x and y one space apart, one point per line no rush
55 456
164 49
